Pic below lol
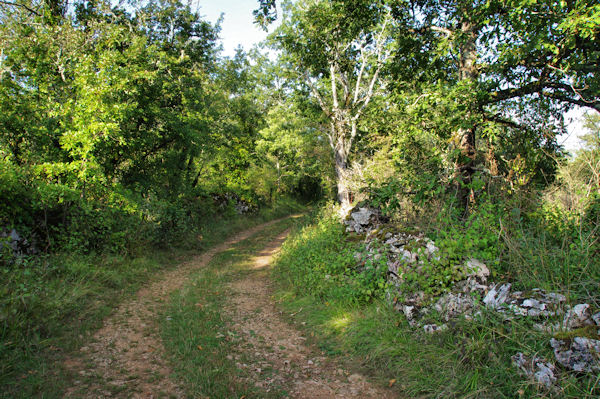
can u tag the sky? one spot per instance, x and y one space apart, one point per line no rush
238 29
574 121
238 26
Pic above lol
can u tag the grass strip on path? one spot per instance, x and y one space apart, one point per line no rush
194 327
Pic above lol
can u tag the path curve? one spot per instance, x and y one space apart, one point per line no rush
302 370
125 358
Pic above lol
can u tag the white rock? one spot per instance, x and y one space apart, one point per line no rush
391 240
432 328
534 313
497 295
431 248
545 374
533 303
556 297
540 370
578 316
452 305
407 255
362 216
517 310
477 268
409 312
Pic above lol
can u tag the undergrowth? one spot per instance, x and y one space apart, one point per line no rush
323 262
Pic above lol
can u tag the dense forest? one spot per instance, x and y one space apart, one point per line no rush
409 132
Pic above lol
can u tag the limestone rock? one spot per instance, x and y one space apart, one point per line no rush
362 220
409 312
452 305
577 354
536 303
596 318
16 244
537 368
477 269
578 316
497 295
433 328
362 217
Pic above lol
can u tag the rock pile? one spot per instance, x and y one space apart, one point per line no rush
580 352
534 304
222 201
363 220
577 354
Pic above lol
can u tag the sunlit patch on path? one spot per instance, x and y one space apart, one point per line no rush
282 359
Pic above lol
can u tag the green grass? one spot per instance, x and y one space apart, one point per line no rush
472 359
195 330
52 305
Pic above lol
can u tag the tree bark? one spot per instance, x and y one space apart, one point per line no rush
465 163
341 169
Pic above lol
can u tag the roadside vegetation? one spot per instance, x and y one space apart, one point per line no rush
127 143
458 149
531 242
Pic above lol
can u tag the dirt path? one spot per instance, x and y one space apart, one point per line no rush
125 358
299 369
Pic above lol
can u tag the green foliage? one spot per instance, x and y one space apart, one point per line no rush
290 150
458 240
123 130
472 358
125 140
476 236
321 262
386 196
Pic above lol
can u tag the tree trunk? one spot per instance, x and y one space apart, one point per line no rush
467 71
465 166
341 170
343 192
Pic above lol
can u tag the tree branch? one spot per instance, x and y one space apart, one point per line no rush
369 94
447 32
503 121
333 86
345 87
381 58
360 74
317 95
8 3
538 87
